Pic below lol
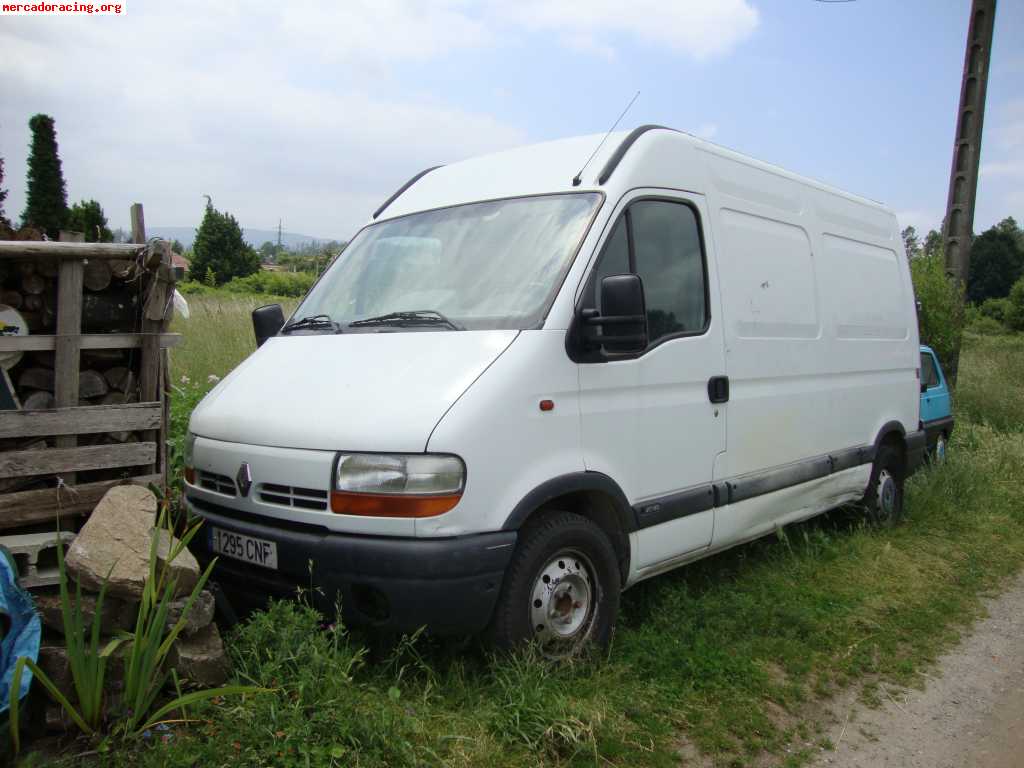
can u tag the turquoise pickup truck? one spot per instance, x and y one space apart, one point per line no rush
936 405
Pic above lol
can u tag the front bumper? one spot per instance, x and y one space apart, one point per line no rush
396 584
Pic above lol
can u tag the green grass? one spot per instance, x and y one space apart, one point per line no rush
732 656
991 385
218 334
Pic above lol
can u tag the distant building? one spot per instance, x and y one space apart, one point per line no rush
180 265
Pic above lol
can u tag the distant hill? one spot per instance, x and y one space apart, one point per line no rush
255 237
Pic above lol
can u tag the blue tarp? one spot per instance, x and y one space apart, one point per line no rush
22 629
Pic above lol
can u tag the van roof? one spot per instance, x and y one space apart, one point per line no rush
647 156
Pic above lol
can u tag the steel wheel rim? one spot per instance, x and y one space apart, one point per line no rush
886 491
563 600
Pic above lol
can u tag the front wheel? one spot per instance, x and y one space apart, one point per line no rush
561 589
884 498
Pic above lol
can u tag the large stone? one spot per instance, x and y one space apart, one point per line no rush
200 657
116 540
114 615
199 616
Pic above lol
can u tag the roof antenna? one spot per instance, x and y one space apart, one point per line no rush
579 176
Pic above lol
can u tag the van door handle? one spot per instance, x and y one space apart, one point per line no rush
718 389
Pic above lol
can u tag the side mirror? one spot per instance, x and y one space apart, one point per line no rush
623 316
266 322
924 387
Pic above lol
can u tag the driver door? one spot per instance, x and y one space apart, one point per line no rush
647 418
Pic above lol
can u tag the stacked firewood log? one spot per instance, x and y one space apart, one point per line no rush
112 302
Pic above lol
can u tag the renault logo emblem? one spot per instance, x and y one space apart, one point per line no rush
244 479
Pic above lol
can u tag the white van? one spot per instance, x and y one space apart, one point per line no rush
523 388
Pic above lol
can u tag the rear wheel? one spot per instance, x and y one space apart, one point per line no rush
561 589
884 499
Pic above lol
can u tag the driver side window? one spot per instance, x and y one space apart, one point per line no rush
660 241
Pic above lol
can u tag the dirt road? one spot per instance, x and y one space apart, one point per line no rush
971 713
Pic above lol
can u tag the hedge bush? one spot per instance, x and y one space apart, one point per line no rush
273 283
941 317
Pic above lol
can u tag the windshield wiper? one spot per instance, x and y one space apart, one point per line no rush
411 317
312 323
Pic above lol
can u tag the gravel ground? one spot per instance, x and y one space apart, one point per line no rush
971 712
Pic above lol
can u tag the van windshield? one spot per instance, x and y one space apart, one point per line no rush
481 265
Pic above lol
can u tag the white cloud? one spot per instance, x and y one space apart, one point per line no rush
256 111
697 28
288 109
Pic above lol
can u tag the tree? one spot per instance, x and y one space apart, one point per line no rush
47 205
910 242
219 248
997 261
941 316
268 252
87 216
4 223
933 243
1015 307
177 246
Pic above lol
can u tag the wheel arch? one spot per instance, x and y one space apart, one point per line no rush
593 495
891 433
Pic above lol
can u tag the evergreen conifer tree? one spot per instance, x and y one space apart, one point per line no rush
219 248
47 204
87 216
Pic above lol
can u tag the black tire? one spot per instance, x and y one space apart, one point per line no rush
884 498
567 546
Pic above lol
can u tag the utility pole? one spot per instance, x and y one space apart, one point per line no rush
963 176
278 235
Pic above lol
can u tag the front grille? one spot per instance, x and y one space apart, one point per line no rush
249 517
216 483
288 496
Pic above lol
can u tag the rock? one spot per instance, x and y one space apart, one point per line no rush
53 660
116 539
200 657
57 719
114 616
198 617
185 568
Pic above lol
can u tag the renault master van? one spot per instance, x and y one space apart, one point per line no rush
523 388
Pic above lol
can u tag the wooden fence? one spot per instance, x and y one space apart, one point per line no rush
55 454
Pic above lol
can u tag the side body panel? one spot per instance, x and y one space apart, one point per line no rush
509 445
820 337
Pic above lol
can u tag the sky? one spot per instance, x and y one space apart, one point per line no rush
314 113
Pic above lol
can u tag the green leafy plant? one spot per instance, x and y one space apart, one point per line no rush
145 676
942 306
88 662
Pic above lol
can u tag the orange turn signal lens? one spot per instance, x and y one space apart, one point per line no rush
190 475
391 505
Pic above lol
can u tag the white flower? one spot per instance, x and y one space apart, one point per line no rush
213 378
185 380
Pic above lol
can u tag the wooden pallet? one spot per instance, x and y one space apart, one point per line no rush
145 461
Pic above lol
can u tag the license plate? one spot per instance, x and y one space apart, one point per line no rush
245 548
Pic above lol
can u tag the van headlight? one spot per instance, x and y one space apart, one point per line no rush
396 485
